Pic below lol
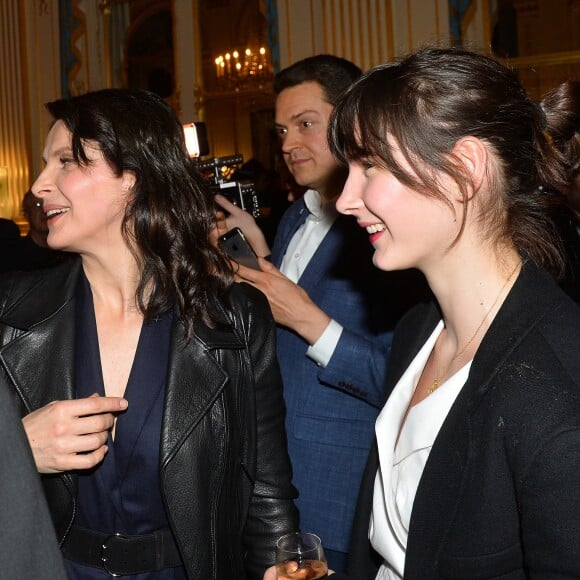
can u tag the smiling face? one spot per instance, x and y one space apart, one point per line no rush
84 205
407 228
302 115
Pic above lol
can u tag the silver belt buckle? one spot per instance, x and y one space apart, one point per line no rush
104 549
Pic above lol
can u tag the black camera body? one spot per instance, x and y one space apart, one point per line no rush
241 193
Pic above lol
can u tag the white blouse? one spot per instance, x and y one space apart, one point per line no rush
402 462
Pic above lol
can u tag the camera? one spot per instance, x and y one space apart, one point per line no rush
217 172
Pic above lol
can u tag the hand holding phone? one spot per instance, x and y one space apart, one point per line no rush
238 249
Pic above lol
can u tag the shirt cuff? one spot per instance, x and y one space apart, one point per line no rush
322 350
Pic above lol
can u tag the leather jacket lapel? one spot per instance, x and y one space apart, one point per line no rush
39 357
41 362
195 379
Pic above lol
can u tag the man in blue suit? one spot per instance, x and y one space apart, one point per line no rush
335 311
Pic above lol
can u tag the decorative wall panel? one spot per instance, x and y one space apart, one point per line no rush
368 32
13 110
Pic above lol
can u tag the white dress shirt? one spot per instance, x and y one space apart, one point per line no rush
301 248
402 462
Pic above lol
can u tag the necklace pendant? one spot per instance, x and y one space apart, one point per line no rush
434 386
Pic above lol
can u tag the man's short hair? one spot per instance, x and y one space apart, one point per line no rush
333 73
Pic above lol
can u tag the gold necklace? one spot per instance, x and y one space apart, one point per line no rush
438 376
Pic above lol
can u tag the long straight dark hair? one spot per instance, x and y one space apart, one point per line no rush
167 221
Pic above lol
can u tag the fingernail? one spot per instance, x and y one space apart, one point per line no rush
123 403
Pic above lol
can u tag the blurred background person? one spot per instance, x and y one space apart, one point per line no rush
37 222
11 245
35 252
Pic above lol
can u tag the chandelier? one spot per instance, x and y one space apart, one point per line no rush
243 70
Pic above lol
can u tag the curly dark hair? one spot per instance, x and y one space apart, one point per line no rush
168 220
426 103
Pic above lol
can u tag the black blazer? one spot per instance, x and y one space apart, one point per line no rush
500 493
224 470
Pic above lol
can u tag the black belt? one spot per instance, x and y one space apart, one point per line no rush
119 554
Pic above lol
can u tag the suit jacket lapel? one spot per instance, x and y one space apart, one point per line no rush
325 258
439 491
328 254
298 217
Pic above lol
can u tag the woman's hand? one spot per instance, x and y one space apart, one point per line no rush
270 573
67 435
238 218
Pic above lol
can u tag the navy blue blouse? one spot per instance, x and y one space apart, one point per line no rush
122 494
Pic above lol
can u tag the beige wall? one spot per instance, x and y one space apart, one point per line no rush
187 57
368 32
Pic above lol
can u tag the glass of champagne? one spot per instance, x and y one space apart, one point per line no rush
300 556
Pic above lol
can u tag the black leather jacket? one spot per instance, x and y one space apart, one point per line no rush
224 470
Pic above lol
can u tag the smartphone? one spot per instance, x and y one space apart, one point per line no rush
238 249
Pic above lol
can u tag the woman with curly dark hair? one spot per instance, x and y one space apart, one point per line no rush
148 381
